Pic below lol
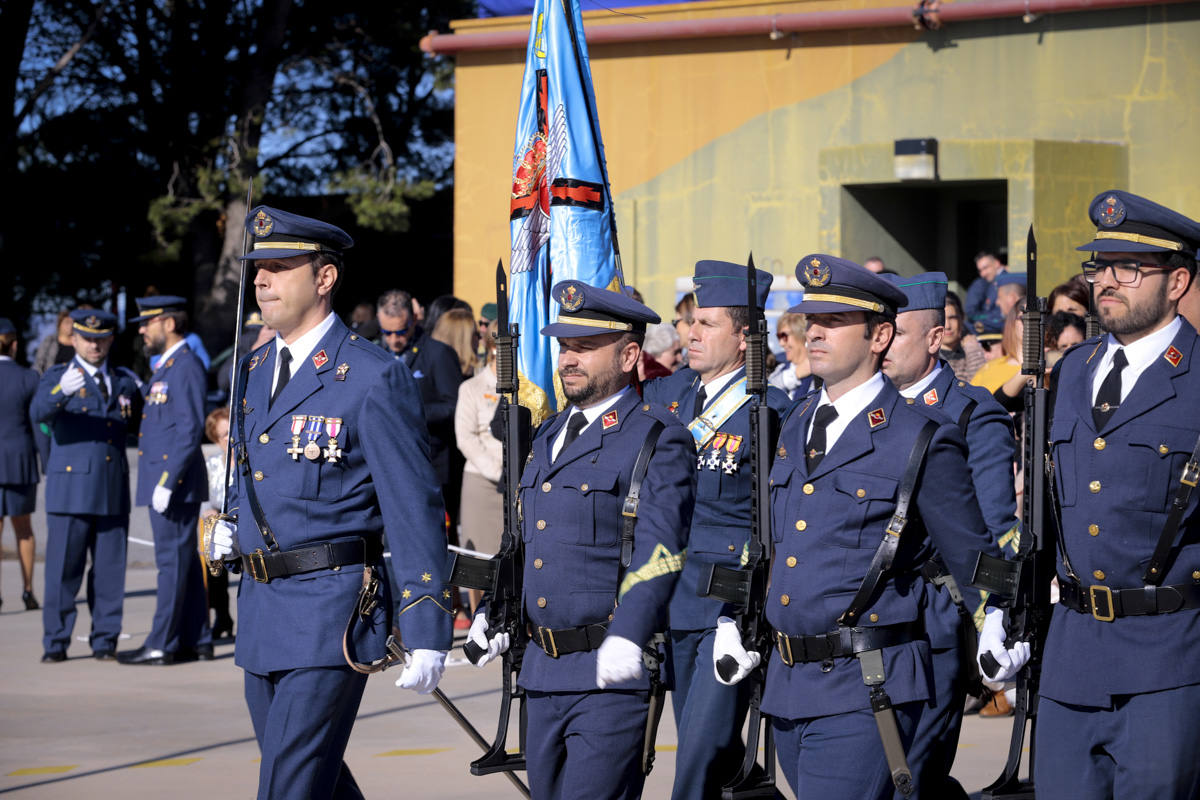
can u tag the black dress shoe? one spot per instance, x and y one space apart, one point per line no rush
223 629
146 656
31 603
104 655
204 652
53 656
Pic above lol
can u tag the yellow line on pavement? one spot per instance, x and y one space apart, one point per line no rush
418 751
166 762
43 770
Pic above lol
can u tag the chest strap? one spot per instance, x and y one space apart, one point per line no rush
1156 570
629 509
265 567
246 482
1107 604
561 641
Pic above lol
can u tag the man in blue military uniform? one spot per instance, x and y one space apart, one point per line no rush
710 394
846 588
19 457
914 366
334 468
172 480
592 615
1120 687
87 404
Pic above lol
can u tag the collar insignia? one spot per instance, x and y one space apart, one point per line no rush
609 420
930 397
320 359
674 407
342 369
1173 355
876 417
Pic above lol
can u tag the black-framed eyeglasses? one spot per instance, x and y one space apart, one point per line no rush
401 332
1125 273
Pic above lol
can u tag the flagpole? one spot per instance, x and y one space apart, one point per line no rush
612 213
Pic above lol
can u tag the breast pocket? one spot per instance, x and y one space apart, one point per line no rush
1161 453
781 488
309 480
869 502
1061 433
594 499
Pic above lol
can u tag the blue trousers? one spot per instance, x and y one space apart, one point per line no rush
1143 745
708 718
585 745
302 720
840 757
935 741
71 538
181 613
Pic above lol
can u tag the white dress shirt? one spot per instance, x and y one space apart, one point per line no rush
920 386
1140 354
848 406
97 373
590 414
301 348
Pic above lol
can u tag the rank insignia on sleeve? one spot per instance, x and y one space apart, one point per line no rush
342 369
674 407
930 397
426 577
320 359
876 417
609 420
1173 355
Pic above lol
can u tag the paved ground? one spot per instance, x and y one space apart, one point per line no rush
102 730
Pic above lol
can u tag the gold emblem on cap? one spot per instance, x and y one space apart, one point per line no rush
816 273
571 297
92 322
263 224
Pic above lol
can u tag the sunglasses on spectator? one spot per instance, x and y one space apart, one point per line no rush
401 332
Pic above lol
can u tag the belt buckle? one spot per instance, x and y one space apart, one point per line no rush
896 525
1191 474
258 561
1105 592
543 634
784 644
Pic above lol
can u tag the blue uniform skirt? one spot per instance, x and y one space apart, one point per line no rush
17 499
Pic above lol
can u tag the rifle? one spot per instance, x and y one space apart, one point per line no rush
746 588
1026 579
215 568
502 577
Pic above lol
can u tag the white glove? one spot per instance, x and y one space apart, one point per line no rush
72 381
991 640
224 540
423 671
618 660
728 642
491 647
160 499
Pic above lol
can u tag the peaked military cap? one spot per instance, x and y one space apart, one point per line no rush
280 234
833 285
721 283
1007 278
93 323
927 290
151 307
6 326
590 310
1127 223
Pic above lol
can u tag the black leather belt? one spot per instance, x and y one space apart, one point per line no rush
267 566
559 642
1107 604
843 642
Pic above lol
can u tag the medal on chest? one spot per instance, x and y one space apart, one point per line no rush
297 428
312 451
333 426
730 466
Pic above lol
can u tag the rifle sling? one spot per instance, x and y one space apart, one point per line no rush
244 458
629 509
1156 570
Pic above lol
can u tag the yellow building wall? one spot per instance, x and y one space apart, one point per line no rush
719 146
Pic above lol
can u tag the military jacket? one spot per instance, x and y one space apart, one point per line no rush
434 365
172 431
18 456
1115 487
571 525
827 526
991 453
361 409
87 472
721 522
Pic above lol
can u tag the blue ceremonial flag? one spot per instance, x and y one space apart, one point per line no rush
561 220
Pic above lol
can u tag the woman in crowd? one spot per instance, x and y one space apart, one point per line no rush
793 375
456 328
56 349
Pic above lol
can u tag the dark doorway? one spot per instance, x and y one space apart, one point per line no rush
926 226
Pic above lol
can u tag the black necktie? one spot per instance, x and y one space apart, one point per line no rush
701 397
575 426
816 442
1108 399
102 386
285 372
